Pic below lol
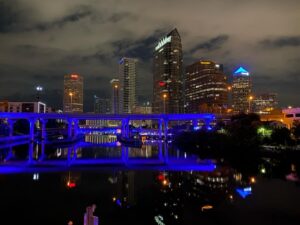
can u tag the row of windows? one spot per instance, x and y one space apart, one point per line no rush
292 115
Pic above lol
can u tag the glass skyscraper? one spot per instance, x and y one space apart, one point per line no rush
167 75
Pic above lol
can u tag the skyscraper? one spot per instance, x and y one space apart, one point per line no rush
241 91
205 87
102 105
73 93
167 75
115 99
89 218
127 78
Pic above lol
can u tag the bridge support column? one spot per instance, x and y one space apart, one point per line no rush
11 123
207 124
70 128
125 128
124 154
195 124
30 153
31 128
166 128
160 127
76 127
44 134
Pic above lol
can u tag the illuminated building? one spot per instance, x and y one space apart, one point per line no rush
127 78
102 105
30 107
205 88
115 83
89 218
265 103
73 93
241 91
167 75
145 108
290 116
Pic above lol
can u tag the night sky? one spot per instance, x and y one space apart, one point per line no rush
40 41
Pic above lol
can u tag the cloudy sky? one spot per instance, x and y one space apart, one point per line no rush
40 41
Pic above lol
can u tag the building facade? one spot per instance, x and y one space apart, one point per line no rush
241 91
127 78
30 107
115 96
206 88
265 103
102 105
167 75
73 93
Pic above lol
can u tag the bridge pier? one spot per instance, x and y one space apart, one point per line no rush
11 123
166 128
44 133
125 127
31 128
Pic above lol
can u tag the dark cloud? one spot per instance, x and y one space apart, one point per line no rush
211 44
41 41
8 17
293 41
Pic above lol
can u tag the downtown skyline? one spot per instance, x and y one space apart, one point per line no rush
42 42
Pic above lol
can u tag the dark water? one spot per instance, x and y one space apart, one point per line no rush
144 195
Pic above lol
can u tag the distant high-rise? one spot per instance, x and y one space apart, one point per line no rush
205 88
89 218
127 78
241 91
265 103
73 93
102 105
115 99
167 75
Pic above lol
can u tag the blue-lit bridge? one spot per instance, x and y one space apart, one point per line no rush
74 128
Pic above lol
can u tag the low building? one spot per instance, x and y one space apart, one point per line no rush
291 115
30 107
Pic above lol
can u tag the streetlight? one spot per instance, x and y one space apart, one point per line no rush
38 89
71 96
164 97
250 99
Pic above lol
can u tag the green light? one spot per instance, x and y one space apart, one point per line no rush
264 132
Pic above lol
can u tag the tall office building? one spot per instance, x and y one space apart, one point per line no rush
115 99
167 75
241 91
102 105
89 218
127 78
265 103
205 88
73 93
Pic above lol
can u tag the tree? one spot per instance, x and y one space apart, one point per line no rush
296 129
281 136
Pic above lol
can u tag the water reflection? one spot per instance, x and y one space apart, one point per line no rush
140 195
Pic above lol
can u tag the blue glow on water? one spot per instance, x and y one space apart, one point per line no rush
244 192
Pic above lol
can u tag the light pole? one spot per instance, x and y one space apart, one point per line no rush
164 98
38 89
71 98
250 99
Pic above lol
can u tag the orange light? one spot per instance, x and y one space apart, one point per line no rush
116 86
206 207
165 96
205 63
74 76
229 88
250 97
71 94
252 180
165 182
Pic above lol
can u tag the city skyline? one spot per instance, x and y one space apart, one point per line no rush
45 42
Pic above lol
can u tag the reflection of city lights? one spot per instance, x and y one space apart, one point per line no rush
114 199
263 170
252 180
206 207
71 184
165 182
36 176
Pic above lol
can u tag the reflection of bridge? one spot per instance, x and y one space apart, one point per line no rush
74 128
37 160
